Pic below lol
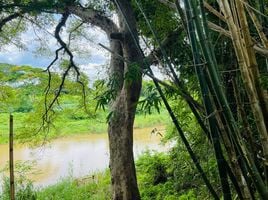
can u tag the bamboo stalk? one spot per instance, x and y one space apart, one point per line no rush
200 69
186 143
262 93
257 48
247 63
11 159
213 11
212 68
249 55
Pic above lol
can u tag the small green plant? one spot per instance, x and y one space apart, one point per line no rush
24 189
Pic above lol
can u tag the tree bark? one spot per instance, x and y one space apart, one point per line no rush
123 173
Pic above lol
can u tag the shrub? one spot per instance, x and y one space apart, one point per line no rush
24 190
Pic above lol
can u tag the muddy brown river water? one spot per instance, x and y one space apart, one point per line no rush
77 155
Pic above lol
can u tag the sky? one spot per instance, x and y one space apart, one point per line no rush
89 56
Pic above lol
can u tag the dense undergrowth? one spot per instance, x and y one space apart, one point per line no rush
159 178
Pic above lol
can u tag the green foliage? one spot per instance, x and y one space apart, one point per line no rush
26 124
97 188
162 18
157 178
181 179
10 33
188 196
150 99
22 90
104 93
185 116
24 105
168 31
155 166
65 119
133 73
172 175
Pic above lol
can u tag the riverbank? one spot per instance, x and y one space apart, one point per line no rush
65 125
92 185
77 155
155 180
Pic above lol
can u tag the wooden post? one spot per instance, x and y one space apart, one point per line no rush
11 159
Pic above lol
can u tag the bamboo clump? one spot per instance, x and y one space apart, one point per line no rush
236 20
241 166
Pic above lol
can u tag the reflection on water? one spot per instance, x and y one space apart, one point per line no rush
77 155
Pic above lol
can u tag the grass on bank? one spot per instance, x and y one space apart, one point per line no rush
88 188
97 188
71 124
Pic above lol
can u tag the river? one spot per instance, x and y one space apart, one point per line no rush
77 155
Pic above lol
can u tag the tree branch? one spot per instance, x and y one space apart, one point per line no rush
8 19
94 17
214 11
257 47
71 65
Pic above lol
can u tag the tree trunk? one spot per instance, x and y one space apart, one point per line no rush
127 77
120 130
